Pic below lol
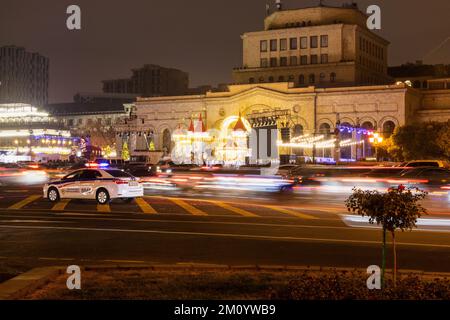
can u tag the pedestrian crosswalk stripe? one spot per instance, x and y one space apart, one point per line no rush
61 205
103 208
240 211
186 206
24 202
291 212
145 206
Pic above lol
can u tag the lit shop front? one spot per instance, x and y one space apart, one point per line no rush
27 134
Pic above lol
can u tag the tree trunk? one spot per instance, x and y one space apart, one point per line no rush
395 258
383 259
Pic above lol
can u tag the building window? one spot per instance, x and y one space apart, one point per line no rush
264 63
70 122
304 43
283 61
301 79
263 45
283 44
280 79
324 41
251 80
108 121
99 120
297 130
273 45
303 60
314 59
322 77
332 77
291 78
271 79
388 128
293 43
314 41
324 58
293 61
325 129
312 78
273 62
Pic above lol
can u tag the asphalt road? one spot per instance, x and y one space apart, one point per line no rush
304 228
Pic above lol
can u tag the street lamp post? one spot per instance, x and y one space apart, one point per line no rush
376 139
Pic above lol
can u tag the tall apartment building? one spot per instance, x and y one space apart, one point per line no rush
320 46
24 76
149 81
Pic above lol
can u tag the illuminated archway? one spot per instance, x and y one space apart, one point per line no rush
232 144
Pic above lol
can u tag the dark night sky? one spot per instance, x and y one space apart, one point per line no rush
201 37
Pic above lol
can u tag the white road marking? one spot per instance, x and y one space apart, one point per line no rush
35 221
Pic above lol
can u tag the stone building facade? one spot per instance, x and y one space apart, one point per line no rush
320 46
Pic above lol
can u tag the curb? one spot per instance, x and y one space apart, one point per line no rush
32 280
27 282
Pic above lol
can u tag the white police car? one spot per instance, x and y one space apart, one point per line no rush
99 184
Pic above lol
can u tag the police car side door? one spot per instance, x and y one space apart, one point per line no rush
70 187
88 183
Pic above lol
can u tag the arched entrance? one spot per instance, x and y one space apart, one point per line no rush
166 142
325 130
367 146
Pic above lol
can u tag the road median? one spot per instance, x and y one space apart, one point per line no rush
204 281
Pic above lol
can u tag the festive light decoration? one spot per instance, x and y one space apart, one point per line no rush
320 144
359 131
193 145
232 147
199 146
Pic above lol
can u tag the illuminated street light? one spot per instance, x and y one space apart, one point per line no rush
376 139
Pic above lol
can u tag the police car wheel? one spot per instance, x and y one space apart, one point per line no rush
102 196
53 195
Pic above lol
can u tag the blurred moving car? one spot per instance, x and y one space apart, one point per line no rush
20 174
99 184
426 176
141 171
425 163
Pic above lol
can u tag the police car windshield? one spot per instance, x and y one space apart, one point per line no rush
118 174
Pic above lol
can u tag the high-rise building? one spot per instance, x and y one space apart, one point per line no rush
149 81
320 46
24 76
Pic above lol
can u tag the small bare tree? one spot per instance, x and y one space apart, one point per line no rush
398 208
